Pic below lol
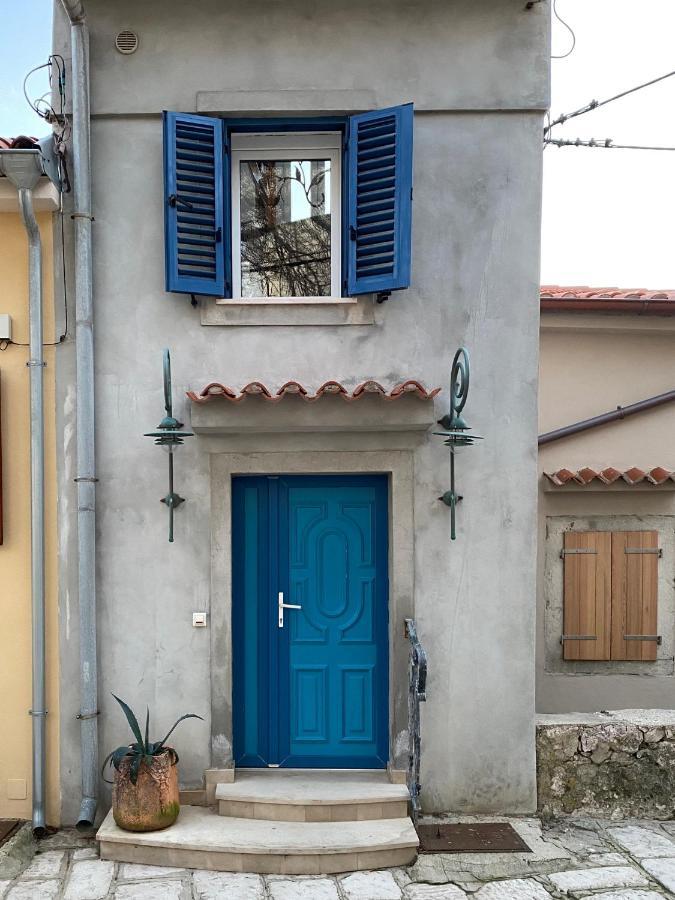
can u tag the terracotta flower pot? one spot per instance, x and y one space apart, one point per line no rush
153 802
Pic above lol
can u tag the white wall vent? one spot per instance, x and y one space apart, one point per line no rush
126 42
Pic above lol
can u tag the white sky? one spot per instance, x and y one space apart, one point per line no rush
607 213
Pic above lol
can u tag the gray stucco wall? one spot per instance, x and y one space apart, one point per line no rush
478 75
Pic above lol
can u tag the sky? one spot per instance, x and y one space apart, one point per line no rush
606 213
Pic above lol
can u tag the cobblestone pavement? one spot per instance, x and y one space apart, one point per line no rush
571 858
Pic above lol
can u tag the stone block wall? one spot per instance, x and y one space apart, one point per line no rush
613 764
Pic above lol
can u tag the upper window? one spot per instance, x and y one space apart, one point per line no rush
286 215
311 210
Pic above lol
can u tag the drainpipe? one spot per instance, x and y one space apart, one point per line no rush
86 473
24 168
621 412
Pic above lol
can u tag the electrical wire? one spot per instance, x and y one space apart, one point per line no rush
5 344
574 37
596 104
602 144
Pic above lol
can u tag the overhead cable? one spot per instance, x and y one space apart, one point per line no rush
573 35
601 144
596 104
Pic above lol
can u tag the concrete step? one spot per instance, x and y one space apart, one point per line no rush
201 839
311 795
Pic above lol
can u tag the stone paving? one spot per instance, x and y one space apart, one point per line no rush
572 858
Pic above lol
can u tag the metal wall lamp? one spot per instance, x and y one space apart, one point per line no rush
456 430
169 436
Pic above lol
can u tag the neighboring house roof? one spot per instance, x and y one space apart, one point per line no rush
7 143
214 390
582 298
631 476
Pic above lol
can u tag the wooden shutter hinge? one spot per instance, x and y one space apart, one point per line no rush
644 637
575 551
654 550
577 637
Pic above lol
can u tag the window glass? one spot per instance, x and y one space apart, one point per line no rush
285 227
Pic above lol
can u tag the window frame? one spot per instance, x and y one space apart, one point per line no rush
287 145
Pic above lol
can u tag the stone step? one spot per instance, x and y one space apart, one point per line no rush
310 795
201 839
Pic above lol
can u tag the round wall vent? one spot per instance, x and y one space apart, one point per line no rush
126 42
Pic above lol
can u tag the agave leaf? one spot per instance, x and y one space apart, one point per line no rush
177 722
147 726
135 766
131 719
114 759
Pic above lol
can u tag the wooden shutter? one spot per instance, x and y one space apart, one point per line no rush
635 562
379 201
587 594
193 204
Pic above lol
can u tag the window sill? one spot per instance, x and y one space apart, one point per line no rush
287 301
289 311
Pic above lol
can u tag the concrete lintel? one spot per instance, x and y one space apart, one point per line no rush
276 101
618 487
254 415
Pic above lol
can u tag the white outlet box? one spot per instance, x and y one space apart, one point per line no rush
199 620
5 327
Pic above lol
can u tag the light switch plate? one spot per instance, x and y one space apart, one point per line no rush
5 327
199 620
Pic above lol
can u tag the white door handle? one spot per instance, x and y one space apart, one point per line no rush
283 606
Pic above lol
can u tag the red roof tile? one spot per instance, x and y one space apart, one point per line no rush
584 299
7 143
555 291
631 476
215 390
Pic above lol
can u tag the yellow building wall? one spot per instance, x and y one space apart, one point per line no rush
15 557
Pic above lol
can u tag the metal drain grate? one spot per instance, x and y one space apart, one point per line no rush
485 837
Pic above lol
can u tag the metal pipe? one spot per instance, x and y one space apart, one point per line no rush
86 470
37 504
621 412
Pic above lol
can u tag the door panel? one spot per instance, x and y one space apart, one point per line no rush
325 673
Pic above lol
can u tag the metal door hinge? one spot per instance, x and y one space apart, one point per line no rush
577 637
574 552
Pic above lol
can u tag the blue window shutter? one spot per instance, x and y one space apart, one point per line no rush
194 225
379 203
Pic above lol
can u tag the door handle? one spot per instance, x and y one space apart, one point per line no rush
282 606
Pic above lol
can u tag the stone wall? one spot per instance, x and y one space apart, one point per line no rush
614 764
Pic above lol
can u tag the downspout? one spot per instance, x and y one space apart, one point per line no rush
86 472
37 504
23 168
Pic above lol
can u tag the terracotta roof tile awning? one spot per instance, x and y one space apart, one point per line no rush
632 476
582 298
215 390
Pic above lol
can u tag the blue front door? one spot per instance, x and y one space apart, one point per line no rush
310 684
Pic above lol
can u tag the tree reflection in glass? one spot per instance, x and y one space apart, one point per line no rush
285 228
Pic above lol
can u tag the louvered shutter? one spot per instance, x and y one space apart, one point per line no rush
379 203
193 210
587 607
635 573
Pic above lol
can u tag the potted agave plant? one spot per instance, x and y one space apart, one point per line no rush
145 782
